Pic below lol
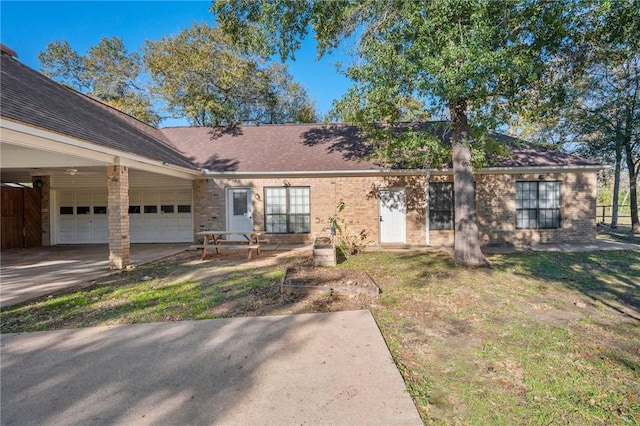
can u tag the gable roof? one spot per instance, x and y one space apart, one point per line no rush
322 148
29 97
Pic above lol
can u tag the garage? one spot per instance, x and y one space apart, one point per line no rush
160 209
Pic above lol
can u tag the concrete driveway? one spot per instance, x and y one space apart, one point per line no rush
29 273
312 369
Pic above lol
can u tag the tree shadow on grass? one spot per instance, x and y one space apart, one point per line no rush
608 277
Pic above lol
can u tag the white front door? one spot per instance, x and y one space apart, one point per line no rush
239 211
392 216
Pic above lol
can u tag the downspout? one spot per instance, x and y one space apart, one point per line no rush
427 177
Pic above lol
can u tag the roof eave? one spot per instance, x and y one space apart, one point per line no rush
539 169
394 172
34 137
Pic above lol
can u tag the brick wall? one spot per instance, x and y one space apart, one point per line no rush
495 195
496 205
359 195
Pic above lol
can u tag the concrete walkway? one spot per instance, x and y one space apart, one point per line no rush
29 273
311 369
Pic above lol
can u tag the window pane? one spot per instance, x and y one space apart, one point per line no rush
100 210
526 218
287 210
240 203
275 200
83 210
298 200
134 209
66 210
441 220
151 209
299 223
184 208
441 205
537 204
276 223
166 209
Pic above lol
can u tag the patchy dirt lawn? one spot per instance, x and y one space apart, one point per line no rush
538 338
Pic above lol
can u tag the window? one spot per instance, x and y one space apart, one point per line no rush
287 210
537 205
166 208
240 203
134 209
66 210
184 208
151 209
99 209
441 206
83 210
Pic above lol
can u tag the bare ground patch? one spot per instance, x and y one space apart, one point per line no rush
349 282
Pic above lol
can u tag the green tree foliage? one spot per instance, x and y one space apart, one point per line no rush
108 72
197 73
601 77
201 76
472 59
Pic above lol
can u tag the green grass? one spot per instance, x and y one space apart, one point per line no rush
132 298
538 338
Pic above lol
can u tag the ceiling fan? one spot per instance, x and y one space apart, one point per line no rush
72 171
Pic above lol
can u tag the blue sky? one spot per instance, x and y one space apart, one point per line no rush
28 26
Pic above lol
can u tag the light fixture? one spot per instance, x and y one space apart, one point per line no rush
37 183
286 183
541 177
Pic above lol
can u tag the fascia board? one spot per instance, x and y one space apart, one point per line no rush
541 169
389 172
328 173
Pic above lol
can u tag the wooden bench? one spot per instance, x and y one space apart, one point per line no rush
236 245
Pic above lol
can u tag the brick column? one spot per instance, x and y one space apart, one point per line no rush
118 212
43 185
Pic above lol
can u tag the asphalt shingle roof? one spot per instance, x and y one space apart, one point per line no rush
273 148
317 147
30 97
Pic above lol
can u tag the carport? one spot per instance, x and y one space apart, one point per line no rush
29 273
100 175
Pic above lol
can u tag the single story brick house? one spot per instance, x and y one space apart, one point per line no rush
100 176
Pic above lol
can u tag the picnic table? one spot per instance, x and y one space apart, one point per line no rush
218 239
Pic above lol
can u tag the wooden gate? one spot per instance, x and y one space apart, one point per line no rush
21 224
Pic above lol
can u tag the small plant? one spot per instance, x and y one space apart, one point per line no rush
348 243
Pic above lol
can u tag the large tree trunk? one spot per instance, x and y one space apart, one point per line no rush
633 188
466 238
616 186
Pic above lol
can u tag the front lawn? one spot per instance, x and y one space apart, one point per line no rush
539 338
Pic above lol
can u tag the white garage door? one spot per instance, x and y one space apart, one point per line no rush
160 217
154 217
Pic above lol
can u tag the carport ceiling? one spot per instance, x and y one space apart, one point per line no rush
19 163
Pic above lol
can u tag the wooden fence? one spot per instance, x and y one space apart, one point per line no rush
603 214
